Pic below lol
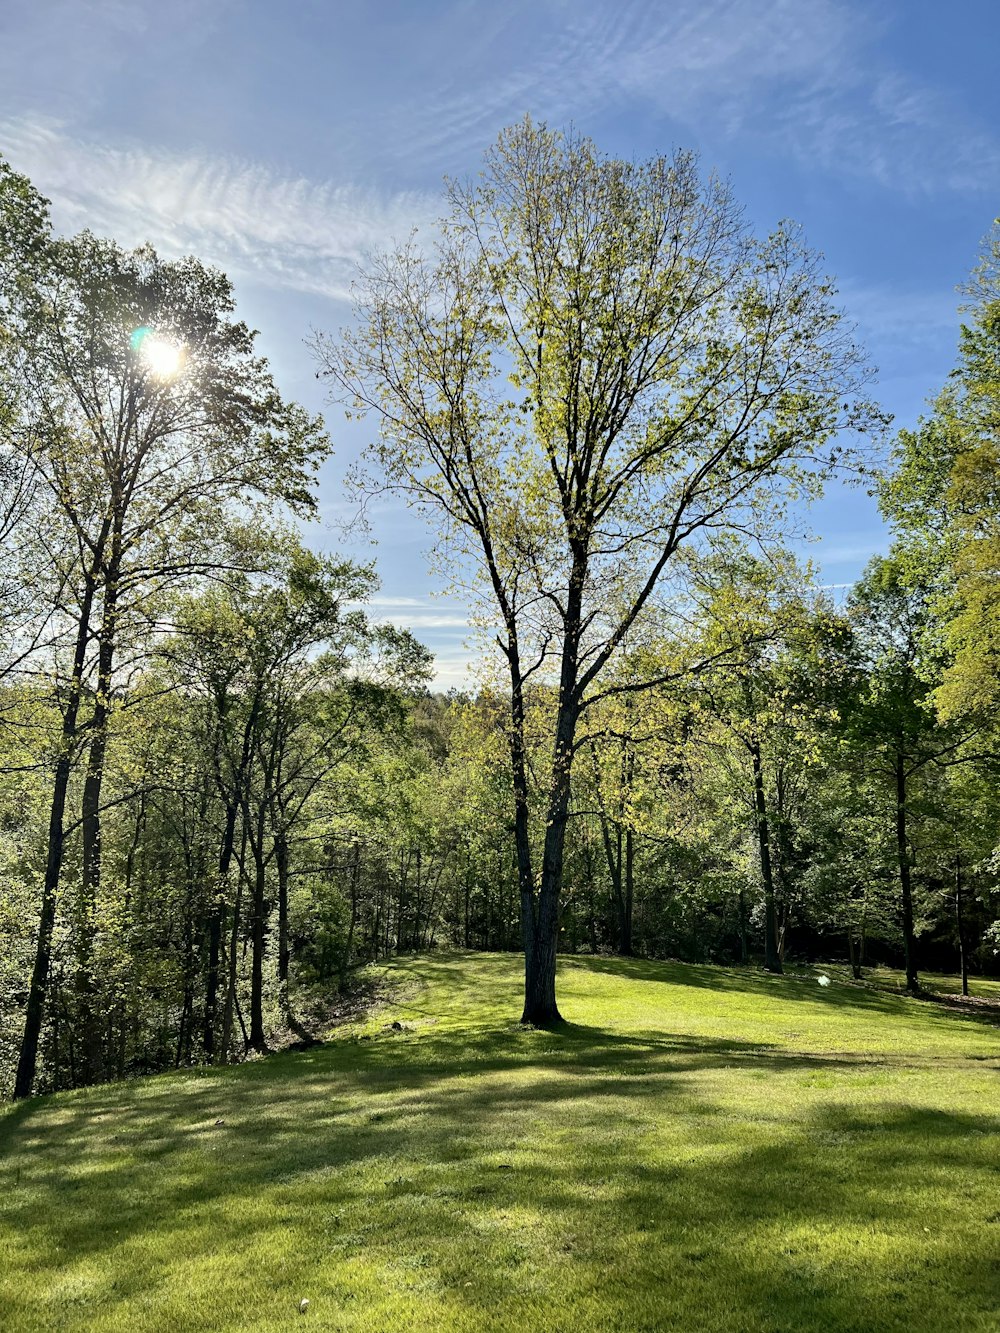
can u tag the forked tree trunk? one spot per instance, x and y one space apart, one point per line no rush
540 1007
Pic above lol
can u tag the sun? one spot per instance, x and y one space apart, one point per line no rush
162 356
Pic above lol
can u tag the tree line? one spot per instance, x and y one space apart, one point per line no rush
226 787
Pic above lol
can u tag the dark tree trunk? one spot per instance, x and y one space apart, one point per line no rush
91 1044
960 923
853 954
905 882
539 988
355 884
216 925
619 851
284 954
258 1041
772 959
540 1006
84 981
466 936
35 1010
625 945
234 799
28 1056
234 938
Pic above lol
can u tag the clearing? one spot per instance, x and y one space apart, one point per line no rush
698 1148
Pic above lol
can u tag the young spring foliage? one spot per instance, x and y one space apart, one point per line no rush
593 363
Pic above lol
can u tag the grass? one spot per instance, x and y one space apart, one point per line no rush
698 1148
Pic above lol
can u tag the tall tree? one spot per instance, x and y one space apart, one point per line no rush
292 683
594 364
156 427
892 720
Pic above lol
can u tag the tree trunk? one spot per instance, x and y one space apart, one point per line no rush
619 853
539 955
35 1010
960 923
355 882
905 883
467 894
628 897
540 1006
852 953
234 799
91 1045
284 954
772 959
84 981
28 1056
258 1042
234 936
216 925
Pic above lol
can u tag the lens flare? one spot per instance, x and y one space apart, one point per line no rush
162 356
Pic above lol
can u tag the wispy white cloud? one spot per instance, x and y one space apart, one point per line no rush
422 620
807 79
418 613
878 124
286 232
804 79
400 604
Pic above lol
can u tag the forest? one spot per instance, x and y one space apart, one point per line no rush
227 785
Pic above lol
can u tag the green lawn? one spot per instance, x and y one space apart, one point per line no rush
699 1148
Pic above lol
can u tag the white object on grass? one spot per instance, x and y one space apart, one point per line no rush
823 980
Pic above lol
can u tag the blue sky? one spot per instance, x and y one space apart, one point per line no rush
284 141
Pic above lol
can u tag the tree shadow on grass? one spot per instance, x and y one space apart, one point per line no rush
655 1203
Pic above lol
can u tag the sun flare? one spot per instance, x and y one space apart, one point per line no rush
162 356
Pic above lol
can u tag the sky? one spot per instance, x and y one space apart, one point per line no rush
285 142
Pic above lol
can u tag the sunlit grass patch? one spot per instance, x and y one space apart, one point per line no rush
696 1148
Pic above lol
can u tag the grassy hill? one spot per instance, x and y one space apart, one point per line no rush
699 1148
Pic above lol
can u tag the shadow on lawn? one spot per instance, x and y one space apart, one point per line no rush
426 1145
